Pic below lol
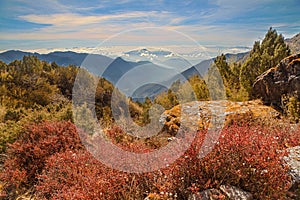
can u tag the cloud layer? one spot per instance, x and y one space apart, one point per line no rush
82 23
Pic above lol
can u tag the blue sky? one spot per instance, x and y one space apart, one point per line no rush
26 24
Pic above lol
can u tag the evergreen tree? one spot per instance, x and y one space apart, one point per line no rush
263 56
215 84
199 87
223 67
230 76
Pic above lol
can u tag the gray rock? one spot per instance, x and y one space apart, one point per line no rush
210 194
228 191
293 161
212 115
284 79
294 43
235 193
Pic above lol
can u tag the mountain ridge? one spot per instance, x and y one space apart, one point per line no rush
114 69
63 58
294 43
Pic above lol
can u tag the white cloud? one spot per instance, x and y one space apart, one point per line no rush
100 27
70 19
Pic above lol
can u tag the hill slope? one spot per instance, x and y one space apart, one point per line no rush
294 43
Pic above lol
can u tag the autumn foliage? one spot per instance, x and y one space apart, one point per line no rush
42 157
49 159
27 155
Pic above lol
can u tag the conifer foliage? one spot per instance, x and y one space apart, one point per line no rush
263 56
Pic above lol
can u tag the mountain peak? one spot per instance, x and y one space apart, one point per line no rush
294 43
119 59
153 52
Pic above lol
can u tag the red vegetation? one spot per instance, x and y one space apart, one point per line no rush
248 157
35 145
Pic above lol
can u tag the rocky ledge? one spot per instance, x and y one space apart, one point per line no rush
284 79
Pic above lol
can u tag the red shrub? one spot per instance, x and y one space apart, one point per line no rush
248 157
128 142
245 156
77 175
27 155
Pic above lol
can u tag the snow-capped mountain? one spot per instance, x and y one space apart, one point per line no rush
150 54
162 57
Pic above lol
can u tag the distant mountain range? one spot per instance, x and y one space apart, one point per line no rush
137 79
200 69
116 69
61 58
129 76
139 73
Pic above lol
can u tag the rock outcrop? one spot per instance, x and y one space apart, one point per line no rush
199 115
284 79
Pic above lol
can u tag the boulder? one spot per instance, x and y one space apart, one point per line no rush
284 79
210 194
293 162
225 192
235 193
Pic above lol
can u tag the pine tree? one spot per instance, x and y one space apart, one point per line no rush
263 56
230 76
223 67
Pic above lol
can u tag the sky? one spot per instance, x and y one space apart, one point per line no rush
50 24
